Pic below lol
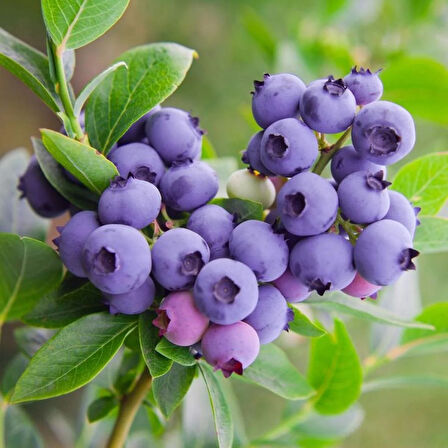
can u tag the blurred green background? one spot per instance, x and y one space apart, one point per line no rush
239 40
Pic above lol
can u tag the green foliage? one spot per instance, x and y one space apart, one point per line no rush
405 382
207 151
243 209
304 326
181 355
15 367
20 430
75 23
101 407
431 236
73 357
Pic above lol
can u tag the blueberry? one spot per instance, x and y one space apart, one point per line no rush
383 252
276 97
215 225
271 316
361 288
72 239
308 204
230 348
129 201
174 134
383 132
255 244
135 301
346 161
140 160
291 287
189 185
136 133
252 155
116 258
328 106
226 291
363 197
179 320
178 256
401 210
288 147
365 85
323 262
41 196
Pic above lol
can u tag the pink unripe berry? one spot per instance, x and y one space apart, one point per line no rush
361 288
291 287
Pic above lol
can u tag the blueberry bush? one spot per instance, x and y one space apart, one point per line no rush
173 272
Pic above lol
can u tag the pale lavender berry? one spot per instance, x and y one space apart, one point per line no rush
361 288
179 320
365 85
291 287
136 133
252 155
401 210
230 348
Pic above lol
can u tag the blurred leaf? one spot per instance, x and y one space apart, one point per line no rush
73 24
208 151
157 425
83 161
420 85
16 216
157 364
303 325
405 382
170 389
424 182
243 209
419 10
101 408
334 371
73 357
154 73
273 371
431 236
20 430
220 407
30 340
224 167
75 297
77 195
181 355
331 8
29 65
13 369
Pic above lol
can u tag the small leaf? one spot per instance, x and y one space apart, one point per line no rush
101 408
73 24
334 371
431 236
405 382
208 151
242 208
30 340
273 371
15 367
424 182
73 357
157 364
20 430
84 162
303 325
170 389
181 355
220 408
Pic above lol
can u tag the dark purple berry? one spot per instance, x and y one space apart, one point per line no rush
252 155
136 133
401 210
365 85
291 287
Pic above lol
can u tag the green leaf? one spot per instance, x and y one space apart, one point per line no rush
424 182
20 430
101 408
16 216
157 364
170 389
431 236
273 371
75 23
73 357
30 340
30 66
224 167
75 194
405 382
181 355
208 151
84 162
28 269
334 371
220 408
154 73
361 309
12 373
303 325
242 208
75 298
420 85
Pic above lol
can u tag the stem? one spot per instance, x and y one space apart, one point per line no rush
129 406
347 227
3 407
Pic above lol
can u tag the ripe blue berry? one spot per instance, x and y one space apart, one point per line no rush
328 106
174 134
308 204
215 225
363 197
179 320
72 239
365 85
383 132
383 252
129 201
291 287
252 155
116 258
255 244
323 262
288 147
226 291
189 185
276 97
136 133
271 315
361 288
401 210
178 256
230 348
